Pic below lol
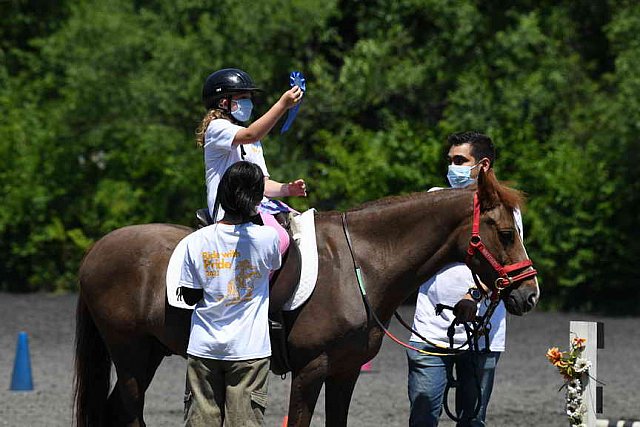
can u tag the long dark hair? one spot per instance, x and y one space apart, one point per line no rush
241 189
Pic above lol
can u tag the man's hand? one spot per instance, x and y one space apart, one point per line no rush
465 310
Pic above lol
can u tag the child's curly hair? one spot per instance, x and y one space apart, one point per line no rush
212 114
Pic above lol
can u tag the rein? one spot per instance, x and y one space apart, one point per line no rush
451 383
481 326
483 322
363 292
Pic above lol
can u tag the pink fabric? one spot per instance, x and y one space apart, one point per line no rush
284 236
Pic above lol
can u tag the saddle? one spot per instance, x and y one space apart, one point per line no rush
282 285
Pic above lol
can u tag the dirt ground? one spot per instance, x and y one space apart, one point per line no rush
525 393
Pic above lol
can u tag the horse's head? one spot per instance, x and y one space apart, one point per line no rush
495 251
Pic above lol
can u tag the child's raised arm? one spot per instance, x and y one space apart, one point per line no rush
261 127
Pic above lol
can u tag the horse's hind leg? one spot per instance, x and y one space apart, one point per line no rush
337 392
136 364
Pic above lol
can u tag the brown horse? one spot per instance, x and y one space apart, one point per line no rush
123 315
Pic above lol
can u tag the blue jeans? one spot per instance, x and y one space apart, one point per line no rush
428 379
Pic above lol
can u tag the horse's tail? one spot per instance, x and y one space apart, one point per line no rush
92 370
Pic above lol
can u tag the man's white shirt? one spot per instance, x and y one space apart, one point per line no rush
448 286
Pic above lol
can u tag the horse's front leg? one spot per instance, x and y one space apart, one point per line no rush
338 391
305 389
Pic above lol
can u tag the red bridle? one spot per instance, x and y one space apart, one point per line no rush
475 244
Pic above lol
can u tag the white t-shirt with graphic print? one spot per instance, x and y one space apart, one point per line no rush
220 154
231 264
448 286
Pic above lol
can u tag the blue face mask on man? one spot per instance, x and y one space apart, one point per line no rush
243 110
459 176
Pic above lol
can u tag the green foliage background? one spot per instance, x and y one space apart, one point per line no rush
99 101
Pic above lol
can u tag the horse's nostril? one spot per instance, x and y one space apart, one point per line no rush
514 306
532 300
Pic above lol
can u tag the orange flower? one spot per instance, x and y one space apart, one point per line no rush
554 355
579 342
560 363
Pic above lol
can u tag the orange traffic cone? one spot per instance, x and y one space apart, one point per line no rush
285 421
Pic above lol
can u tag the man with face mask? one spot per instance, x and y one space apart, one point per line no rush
454 286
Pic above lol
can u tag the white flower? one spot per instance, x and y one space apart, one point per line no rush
581 365
575 407
572 408
582 409
574 384
572 367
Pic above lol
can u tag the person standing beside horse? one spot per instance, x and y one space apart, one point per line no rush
431 374
227 95
226 274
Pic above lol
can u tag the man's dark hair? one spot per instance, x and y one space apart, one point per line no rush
241 189
481 145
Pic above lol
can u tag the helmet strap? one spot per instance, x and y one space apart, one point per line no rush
229 99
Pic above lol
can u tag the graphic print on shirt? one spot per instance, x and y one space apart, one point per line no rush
256 149
240 287
214 262
245 275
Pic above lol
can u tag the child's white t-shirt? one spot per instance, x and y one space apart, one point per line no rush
231 263
220 154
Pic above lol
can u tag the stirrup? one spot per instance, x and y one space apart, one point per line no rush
279 352
275 325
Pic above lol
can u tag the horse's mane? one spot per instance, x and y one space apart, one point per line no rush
389 200
510 197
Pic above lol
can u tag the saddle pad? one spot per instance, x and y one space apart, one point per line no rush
304 235
174 269
303 227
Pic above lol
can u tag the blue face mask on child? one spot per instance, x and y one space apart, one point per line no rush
243 112
460 176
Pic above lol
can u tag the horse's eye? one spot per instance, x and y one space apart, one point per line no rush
507 236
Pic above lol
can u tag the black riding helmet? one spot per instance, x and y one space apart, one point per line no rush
223 83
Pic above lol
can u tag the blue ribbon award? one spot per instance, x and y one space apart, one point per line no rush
296 78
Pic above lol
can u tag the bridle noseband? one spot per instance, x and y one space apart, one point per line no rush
504 280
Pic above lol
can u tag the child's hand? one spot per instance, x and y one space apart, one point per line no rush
292 97
297 188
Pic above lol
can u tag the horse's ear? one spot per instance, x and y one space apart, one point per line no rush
487 192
